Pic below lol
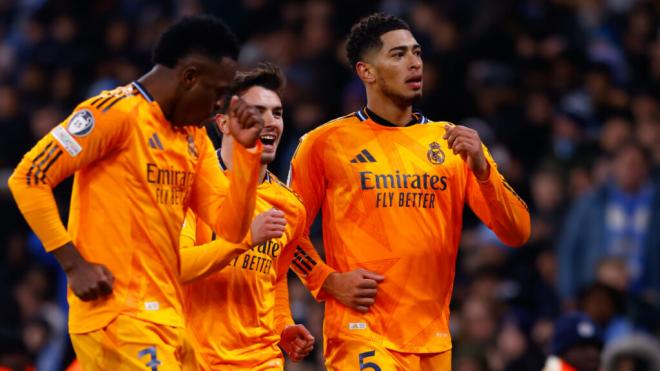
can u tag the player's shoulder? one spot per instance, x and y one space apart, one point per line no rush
328 127
426 121
290 195
109 106
121 100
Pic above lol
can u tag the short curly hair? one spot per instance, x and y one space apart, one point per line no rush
366 33
203 34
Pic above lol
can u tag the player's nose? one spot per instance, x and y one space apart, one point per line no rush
269 119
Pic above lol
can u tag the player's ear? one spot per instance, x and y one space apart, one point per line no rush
189 75
365 72
222 122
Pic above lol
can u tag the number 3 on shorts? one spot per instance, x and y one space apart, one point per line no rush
368 365
153 361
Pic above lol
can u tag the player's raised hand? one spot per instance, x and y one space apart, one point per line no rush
267 225
297 342
466 143
245 122
88 281
355 289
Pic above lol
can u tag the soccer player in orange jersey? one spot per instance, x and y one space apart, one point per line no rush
392 186
240 314
140 160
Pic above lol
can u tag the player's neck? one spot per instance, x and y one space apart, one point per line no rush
226 160
156 83
389 110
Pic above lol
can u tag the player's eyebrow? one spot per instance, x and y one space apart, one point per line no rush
262 107
403 48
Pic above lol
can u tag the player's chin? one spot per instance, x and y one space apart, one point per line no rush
413 97
267 158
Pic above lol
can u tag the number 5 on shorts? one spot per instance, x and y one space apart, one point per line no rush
368 365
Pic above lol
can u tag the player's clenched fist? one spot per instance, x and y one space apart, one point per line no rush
267 225
297 342
88 281
466 143
245 122
356 289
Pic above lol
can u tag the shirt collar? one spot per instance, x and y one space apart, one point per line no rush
143 91
363 114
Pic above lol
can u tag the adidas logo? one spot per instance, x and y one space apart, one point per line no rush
363 156
154 142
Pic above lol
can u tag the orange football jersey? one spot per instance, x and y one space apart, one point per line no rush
136 175
392 202
237 314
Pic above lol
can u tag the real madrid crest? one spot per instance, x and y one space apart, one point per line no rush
435 154
192 148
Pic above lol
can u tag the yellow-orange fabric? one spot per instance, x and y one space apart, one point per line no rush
392 202
136 175
238 313
129 343
354 354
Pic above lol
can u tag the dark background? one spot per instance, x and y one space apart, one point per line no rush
554 87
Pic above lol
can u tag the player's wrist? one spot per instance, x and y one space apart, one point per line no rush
483 173
330 283
68 257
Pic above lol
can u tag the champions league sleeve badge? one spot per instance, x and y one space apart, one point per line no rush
81 123
435 154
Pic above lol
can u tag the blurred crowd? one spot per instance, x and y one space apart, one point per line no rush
565 94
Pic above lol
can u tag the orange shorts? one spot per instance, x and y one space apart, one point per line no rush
274 364
361 355
128 343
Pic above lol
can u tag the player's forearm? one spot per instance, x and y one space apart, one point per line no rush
282 308
509 216
236 213
68 257
202 260
37 204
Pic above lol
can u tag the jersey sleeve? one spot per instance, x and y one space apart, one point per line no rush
226 202
310 268
498 205
87 135
282 309
188 235
306 178
198 261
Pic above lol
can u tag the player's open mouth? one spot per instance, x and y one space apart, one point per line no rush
268 139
